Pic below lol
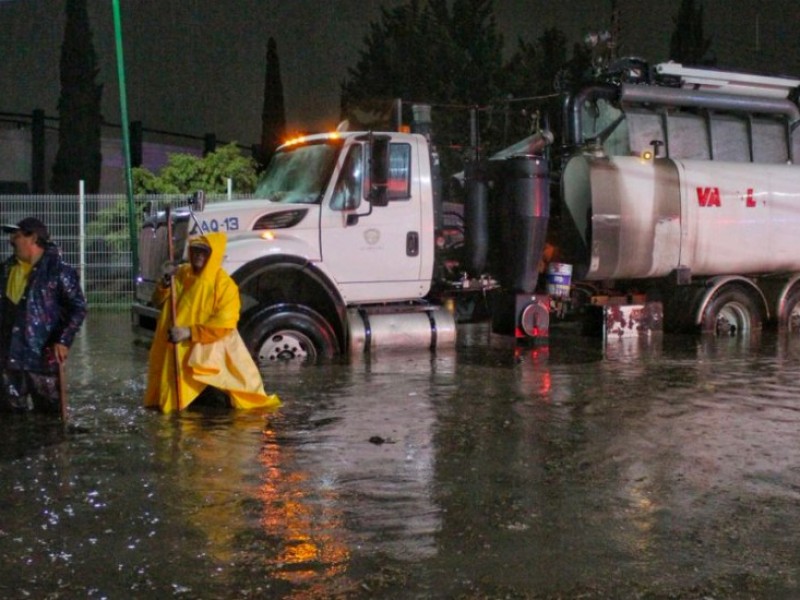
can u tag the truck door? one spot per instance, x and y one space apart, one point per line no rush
374 252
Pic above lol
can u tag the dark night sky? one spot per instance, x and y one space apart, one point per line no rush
197 66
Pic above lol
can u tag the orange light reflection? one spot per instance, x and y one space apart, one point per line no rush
307 525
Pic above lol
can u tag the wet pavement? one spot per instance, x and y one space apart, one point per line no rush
668 468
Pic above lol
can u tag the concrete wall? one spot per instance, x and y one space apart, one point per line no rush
16 158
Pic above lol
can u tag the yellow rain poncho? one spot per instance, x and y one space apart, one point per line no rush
208 304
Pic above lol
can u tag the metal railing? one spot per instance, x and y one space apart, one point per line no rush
93 234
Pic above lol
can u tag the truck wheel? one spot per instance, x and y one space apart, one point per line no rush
732 311
282 334
789 319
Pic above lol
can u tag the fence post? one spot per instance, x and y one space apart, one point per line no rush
82 233
230 189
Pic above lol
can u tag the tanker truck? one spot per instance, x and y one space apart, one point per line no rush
671 195
680 183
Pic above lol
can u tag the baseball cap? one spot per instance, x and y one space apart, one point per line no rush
29 225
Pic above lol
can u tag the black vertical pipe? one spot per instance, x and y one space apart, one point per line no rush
209 143
476 218
527 211
38 145
137 142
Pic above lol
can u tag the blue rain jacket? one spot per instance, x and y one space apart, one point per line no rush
50 311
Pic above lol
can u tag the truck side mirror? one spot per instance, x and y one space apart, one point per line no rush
198 201
379 170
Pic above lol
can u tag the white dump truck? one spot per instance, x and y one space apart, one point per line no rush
671 198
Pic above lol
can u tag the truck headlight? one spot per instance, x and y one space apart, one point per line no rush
280 220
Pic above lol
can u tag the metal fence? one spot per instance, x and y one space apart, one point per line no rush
93 233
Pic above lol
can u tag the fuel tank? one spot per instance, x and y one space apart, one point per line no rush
629 218
425 329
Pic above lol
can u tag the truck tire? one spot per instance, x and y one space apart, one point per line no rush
287 333
789 319
732 311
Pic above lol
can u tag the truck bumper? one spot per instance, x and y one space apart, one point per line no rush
144 319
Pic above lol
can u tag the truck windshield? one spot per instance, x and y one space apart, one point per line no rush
298 175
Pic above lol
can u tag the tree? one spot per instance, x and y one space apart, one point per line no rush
448 53
183 174
187 173
79 156
535 71
440 52
688 45
427 52
273 114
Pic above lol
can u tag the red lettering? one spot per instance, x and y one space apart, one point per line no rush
749 201
708 197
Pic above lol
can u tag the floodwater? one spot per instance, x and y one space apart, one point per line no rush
664 468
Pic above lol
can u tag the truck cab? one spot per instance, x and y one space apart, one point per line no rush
334 249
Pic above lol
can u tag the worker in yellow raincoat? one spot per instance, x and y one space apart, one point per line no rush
210 350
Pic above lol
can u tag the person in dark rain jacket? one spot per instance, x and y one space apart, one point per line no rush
42 308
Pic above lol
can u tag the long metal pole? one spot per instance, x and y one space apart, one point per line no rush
173 299
126 146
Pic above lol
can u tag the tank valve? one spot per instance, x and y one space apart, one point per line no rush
656 144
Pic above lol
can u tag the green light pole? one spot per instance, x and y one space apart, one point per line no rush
126 147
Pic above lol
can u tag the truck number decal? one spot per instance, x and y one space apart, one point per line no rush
226 224
710 196
749 202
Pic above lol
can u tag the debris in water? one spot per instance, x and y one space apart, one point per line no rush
378 440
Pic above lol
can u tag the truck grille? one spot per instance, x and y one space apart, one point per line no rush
154 252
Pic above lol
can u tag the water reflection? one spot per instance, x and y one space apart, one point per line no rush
354 470
571 469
